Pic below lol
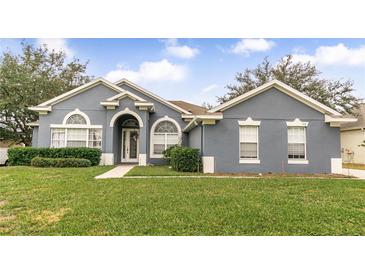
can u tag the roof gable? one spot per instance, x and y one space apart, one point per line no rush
283 88
79 90
151 95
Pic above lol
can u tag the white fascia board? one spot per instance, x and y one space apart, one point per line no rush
199 118
109 103
33 124
193 123
215 116
124 94
283 88
329 119
41 109
152 95
143 104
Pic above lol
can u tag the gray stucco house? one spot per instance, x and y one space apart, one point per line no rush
272 128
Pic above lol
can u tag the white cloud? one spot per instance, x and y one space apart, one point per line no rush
150 71
57 44
209 88
335 55
181 51
247 46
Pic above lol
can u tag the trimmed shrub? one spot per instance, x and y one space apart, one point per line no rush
60 162
23 155
167 152
185 159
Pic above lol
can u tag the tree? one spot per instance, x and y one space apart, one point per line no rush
305 77
207 105
27 79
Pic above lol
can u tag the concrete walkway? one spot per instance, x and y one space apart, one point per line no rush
117 172
354 172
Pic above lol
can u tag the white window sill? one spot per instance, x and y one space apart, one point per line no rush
298 162
249 161
157 156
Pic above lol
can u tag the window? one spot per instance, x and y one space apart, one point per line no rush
76 119
58 137
249 143
165 135
76 137
95 138
296 143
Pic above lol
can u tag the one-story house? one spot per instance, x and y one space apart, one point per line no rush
273 128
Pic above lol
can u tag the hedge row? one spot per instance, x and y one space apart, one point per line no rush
23 155
184 159
60 162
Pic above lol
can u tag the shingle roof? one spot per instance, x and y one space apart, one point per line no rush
360 119
194 109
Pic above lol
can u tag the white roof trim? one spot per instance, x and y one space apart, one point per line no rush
199 118
124 94
152 95
283 88
41 109
249 122
33 124
80 89
329 119
296 123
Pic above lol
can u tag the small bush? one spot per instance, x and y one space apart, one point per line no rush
185 159
23 155
167 152
60 162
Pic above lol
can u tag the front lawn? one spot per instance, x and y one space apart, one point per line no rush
159 171
35 201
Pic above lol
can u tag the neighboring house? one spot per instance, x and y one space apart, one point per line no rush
273 128
352 135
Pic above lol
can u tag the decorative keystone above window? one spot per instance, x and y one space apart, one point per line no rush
296 123
249 122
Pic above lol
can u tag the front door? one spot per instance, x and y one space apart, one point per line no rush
130 145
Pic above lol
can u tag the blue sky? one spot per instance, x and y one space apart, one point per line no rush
198 70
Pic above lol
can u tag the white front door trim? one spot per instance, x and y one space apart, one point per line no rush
127 158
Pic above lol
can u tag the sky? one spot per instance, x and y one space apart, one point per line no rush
198 70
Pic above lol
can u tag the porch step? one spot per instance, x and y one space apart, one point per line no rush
117 172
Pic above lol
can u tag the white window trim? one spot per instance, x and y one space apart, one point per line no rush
87 136
75 126
249 161
298 162
76 111
298 123
165 118
249 122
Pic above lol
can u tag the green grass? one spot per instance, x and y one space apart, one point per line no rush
159 171
354 166
35 201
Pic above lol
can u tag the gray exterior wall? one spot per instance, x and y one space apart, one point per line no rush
35 137
195 138
89 103
273 108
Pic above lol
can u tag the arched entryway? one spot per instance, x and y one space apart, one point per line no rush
126 139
